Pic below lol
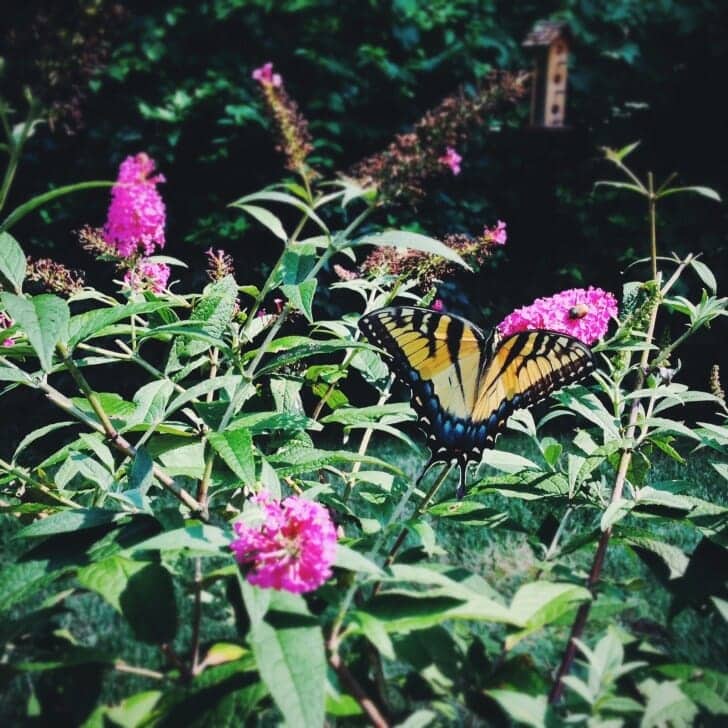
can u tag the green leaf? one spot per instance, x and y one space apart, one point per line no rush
12 262
141 471
288 646
539 603
267 218
307 350
235 447
142 591
196 539
705 274
708 192
351 560
301 297
297 262
44 319
273 196
666 705
508 462
27 207
216 308
523 708
414 241
70 520
85 325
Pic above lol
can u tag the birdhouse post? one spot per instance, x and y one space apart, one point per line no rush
550 42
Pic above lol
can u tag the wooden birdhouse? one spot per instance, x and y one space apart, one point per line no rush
550 43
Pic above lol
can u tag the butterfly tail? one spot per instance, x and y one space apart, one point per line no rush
462 485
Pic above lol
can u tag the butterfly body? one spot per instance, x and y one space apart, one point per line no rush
463 388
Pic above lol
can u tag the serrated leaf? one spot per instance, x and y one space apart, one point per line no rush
12 262
301 297
216 308
44 320
235 447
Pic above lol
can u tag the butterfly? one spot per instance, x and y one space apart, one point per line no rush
464 387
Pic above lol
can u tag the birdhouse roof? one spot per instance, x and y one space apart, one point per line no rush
545 32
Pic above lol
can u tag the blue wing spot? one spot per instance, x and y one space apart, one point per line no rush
517 400
492 421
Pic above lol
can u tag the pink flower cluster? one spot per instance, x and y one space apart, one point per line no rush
451 159
438 305
497 234
136 217
580 312
5 323
265 76
292 549
147 276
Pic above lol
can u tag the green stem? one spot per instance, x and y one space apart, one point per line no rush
582 615
27 478
106 427
15 150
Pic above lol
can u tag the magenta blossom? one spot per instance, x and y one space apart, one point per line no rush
451 159
136 217
265 76
438 305
497 234
580 312
292 549
149 276
5 323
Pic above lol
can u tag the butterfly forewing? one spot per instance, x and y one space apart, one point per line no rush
439 356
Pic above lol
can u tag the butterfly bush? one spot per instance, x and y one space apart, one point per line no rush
452 160
294 138
399 172
292 549
136 217
147 275
584 313
5 323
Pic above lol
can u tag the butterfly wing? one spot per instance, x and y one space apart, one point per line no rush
524 369
440 357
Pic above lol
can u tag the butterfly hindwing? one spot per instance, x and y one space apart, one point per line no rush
524 369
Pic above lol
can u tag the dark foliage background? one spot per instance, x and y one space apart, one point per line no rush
177 84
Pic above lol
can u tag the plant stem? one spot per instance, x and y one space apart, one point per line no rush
197 618
421 508
652 208
582 614
357 692
365 440
27 478
121 666
106 427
